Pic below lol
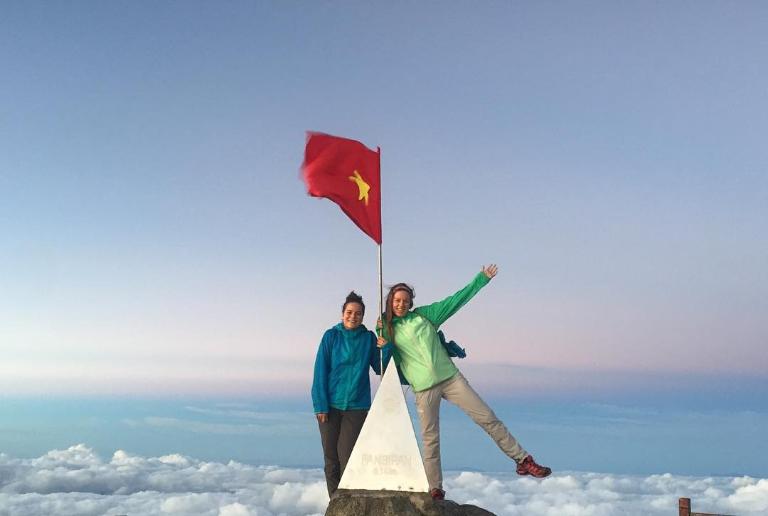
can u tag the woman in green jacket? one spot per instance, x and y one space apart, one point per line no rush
425 363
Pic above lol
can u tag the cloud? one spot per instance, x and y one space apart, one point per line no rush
594 494
77 481
239 412
239 421
202 427
749 496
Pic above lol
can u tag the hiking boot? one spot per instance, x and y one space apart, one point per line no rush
437 494
528 466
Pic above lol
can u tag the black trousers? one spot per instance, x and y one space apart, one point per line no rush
338 436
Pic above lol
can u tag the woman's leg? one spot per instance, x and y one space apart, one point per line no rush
351 424
329 435
460 393
428 407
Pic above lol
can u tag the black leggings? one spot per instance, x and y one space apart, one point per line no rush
338 436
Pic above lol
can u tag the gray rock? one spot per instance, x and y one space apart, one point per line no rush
358 502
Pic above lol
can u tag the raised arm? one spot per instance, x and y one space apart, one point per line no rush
440 311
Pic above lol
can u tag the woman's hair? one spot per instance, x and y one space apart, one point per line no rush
388 314
352 297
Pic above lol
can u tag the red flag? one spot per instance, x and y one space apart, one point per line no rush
348 173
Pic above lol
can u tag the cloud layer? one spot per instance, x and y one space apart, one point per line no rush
76 481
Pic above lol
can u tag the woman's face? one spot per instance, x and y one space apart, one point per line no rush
401 303
352 315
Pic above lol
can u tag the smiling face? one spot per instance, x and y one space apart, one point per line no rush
401 303
352 315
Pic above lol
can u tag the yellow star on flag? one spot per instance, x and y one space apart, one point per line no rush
362 186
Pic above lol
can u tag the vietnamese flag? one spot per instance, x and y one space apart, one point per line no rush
348 173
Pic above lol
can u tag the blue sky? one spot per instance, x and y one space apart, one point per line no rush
156 241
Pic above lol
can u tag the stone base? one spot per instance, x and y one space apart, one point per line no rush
358 502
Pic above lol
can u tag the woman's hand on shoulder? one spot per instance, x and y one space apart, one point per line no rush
322 417
490 270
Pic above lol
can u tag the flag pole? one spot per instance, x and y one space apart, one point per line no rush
381 303
381 283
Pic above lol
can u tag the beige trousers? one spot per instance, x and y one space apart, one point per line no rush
458 391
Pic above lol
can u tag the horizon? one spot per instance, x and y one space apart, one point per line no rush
560 430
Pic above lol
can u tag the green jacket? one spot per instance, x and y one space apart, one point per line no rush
418 352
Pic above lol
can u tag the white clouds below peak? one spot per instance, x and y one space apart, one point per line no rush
77 481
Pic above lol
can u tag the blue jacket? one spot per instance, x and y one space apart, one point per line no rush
341 369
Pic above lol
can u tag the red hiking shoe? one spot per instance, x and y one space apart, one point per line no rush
437 494
528 466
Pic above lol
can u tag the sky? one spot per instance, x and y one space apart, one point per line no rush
156 242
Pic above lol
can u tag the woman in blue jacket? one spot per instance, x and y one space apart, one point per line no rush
341 389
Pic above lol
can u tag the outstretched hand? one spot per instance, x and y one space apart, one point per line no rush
490 270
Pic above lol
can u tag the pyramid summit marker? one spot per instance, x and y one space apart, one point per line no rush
386 455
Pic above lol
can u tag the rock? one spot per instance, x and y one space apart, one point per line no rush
358 502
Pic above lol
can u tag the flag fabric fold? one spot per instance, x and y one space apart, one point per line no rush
348 173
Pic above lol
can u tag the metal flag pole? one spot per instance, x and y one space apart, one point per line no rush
381 303
381 283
